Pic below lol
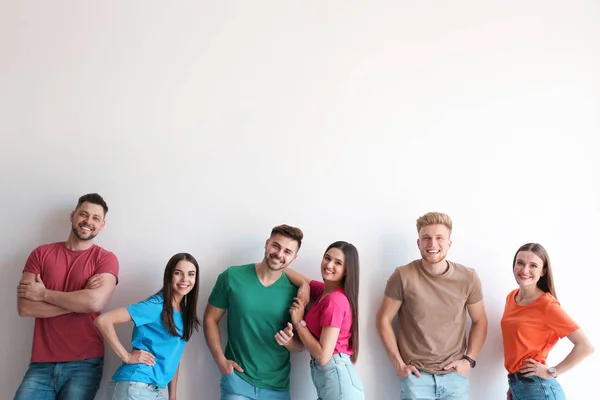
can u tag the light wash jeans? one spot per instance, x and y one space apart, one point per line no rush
235 388
451 386
534 388
129 390
73 380
337 379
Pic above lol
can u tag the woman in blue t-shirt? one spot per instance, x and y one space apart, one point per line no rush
162 329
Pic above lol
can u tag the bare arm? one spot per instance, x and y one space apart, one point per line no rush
301 282
86 300
296 278
80 301
581 349
106 325
385 316
172 386
322 349
212 334
37 309
478 331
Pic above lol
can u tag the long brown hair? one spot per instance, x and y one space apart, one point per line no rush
546 282
188 303
350 282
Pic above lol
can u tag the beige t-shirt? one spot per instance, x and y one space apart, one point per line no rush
433 316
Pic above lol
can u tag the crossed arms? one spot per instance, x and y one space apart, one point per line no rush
34 300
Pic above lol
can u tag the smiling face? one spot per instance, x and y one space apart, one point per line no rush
184 278
87 221
333 265
434 242
280 251
528 269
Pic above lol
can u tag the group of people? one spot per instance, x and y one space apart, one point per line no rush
272 310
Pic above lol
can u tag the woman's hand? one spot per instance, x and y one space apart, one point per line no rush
532 367
140 357
297 310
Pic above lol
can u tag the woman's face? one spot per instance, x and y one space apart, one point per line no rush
528 268
333 265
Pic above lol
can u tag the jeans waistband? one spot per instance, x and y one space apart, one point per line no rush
336 358
519 376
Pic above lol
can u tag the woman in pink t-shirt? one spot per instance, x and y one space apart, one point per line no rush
329 330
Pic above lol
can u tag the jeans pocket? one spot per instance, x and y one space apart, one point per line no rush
354 378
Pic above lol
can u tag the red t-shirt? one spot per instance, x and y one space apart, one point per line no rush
73 336
331 310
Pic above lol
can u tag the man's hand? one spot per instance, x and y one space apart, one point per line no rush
284 336
405 370
32 290
227 366
462 367
140 357
94 282
508 395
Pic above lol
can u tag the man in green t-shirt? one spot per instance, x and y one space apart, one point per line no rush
256 362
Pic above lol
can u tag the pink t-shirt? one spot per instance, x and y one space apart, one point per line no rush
331 310
73 336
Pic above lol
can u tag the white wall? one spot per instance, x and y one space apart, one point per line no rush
204 124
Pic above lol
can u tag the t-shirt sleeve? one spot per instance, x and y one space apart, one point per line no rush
316 289
558 321
334 311
108 264
393 288
476 294
34 262
146 311
219 297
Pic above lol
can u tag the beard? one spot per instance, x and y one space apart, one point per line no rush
83 238
270 260
433 258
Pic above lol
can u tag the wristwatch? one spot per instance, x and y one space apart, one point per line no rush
472 362
301 324
552 371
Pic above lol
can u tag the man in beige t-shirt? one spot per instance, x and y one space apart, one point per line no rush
432 296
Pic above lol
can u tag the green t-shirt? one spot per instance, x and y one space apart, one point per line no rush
255 313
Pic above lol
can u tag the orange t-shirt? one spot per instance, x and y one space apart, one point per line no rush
531 331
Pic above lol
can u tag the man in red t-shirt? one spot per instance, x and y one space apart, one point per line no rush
64 286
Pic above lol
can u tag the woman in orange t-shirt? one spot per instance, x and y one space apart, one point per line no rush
532 323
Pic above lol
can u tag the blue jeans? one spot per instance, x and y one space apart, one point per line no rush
452 386
235 388
73 380
337 379
128 390
534 388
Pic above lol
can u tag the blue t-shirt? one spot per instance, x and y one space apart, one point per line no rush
151 335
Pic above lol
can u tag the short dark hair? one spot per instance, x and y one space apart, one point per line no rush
290 232
93 198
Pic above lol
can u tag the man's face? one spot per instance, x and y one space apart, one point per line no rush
434 242
280 251
87 221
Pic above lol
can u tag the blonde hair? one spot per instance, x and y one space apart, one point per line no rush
434 218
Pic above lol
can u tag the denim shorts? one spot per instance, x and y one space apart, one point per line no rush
72 380
337 379
451 386
534 388
129 390
235 388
